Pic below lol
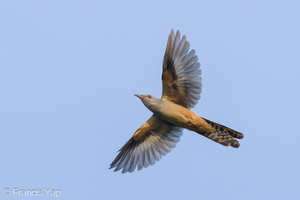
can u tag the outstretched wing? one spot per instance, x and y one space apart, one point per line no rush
154 139
181 74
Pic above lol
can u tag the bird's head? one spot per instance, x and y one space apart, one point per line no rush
150 102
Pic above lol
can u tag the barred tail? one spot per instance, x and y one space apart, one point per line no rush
223 135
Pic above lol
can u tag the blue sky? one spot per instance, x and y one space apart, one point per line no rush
68 72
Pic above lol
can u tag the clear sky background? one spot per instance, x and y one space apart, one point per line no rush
68 72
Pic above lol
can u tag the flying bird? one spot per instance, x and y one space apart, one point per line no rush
181 82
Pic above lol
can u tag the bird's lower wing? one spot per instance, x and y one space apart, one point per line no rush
154 139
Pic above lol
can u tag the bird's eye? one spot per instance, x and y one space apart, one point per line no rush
149 96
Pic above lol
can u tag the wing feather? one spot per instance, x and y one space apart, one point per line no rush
154 139
181 72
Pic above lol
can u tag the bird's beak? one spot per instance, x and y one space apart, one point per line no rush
139 96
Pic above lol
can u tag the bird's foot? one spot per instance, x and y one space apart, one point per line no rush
193 122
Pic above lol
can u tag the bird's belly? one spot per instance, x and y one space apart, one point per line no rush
183 117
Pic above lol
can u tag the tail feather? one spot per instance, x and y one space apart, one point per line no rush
223 135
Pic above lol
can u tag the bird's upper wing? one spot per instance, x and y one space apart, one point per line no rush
181 74
154 139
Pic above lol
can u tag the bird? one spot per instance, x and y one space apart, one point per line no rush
181 89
